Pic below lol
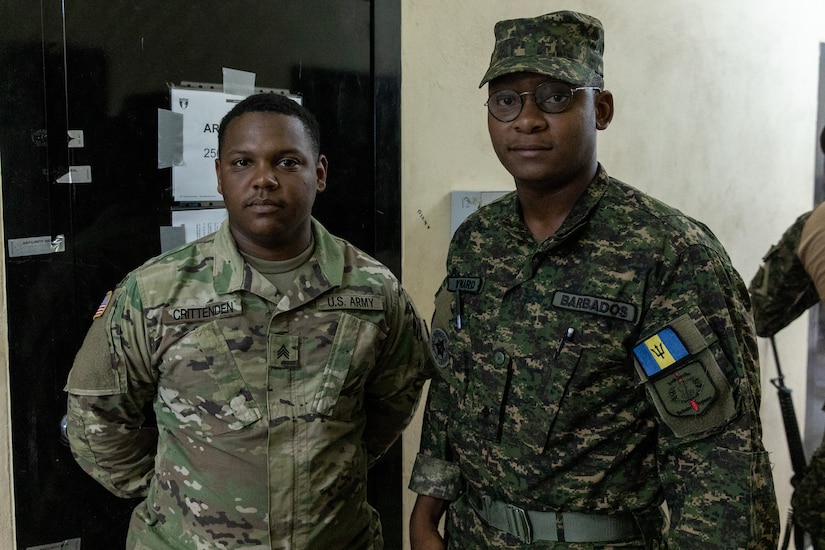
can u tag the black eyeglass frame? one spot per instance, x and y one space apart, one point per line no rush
549 108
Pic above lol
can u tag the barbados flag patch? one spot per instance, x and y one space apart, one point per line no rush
660 351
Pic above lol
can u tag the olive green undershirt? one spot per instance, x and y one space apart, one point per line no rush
281 273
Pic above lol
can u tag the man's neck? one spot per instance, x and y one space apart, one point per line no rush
544 211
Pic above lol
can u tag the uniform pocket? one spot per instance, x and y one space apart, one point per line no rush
482 406
205 390
340 392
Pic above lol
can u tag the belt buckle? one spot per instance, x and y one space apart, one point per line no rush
520 524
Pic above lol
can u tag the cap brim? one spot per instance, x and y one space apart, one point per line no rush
559 68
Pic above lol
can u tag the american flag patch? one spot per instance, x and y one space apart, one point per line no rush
103 305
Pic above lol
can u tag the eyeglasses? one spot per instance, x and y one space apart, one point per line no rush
550 97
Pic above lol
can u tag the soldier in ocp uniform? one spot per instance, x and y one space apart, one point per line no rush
790 280
597 375
280 361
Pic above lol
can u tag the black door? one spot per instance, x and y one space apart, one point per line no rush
79 213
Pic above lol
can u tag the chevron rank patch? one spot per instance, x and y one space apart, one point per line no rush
283 351
660 351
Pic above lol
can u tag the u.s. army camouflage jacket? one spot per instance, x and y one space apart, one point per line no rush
269 405
606 369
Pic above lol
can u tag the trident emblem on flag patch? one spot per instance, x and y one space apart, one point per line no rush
660 351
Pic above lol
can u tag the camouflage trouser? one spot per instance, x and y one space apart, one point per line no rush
808 500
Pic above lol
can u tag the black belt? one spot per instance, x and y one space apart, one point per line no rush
529 525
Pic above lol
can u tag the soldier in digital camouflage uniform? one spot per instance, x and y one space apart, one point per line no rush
280 361
595 354
790 280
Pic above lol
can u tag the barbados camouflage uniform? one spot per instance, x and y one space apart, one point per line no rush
592 377
270 404
781 291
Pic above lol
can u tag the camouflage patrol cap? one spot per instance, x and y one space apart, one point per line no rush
565 45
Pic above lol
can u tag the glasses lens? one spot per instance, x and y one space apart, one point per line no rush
553 97
504 105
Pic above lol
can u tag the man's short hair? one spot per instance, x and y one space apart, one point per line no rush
273 103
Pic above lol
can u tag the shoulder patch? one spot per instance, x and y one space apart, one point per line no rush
439 347
688 392
662 350
101 309
683 379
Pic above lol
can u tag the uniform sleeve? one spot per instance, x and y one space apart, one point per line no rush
109 386
435 473
714 470
782 290
393 391
812 248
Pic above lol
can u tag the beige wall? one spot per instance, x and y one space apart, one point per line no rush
6 504
716 105
715 113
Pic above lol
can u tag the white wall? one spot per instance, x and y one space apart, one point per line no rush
716 105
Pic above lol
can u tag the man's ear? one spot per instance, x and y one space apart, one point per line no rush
218 174
321 167
604 109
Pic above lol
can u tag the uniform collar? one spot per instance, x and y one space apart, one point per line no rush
579 215
231 273
585 205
